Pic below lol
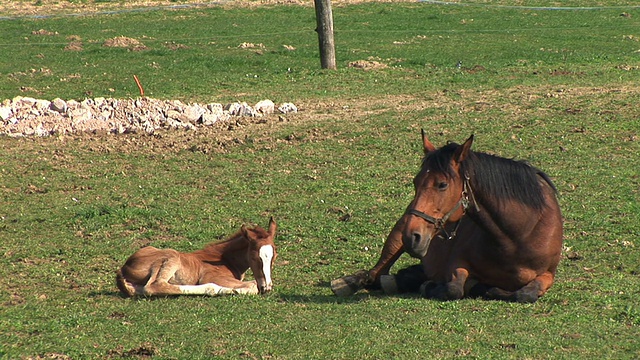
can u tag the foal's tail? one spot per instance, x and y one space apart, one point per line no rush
123 284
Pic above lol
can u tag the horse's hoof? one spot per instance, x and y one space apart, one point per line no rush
389 284
341 287
349 285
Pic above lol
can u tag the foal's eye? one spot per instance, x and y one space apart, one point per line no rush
443 185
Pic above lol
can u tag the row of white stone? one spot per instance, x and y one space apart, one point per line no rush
26 116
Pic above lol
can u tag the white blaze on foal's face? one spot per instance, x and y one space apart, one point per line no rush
266 255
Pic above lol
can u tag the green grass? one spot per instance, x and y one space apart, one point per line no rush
558 88
422 42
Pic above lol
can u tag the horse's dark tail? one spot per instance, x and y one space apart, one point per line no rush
122 284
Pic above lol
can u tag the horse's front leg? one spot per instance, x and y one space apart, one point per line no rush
391 251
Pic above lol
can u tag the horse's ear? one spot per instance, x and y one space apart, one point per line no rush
463 150
272 226
243 230
428 146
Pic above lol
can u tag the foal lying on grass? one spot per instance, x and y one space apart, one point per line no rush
217 269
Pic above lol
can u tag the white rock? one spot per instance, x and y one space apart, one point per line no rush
240 109
215 107
59 105
192 113
5 112
265 107
287 108
29 101
42 104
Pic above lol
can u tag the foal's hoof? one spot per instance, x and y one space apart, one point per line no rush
245 291
389 284
349 285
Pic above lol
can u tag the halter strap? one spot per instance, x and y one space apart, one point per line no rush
440 222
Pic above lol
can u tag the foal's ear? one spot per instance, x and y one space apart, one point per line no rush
272 226
428 146
243 230
463 150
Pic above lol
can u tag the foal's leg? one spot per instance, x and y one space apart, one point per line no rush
391 251
125 287
210 289
238 286
159 285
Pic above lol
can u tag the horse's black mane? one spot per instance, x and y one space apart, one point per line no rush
493 177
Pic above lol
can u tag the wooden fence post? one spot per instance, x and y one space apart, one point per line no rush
324 18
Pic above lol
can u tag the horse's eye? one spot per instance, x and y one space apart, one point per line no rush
443 186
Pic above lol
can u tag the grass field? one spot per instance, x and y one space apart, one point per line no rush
556 87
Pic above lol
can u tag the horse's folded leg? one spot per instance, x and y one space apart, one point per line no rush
527 294
350 284
389 284
410 279
442 291
494 293
478 290
427 288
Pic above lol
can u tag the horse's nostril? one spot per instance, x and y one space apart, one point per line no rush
416 238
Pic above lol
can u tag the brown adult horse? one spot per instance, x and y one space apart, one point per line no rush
216 269
482 225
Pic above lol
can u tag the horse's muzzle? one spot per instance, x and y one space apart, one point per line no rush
416 244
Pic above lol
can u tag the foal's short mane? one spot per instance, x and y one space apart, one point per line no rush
231 241
492 177
235 240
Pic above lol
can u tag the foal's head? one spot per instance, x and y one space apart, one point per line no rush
261 253
439 195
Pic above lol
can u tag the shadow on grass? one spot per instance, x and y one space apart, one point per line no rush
328 298
331 298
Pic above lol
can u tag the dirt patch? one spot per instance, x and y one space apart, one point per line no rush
172 45
74 46
124 42
146 350
44 32
368 65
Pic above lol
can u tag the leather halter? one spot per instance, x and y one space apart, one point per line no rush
440 222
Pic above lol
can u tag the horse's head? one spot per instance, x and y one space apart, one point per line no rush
440 195
262 254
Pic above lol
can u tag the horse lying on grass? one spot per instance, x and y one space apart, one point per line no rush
482 226
217 269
